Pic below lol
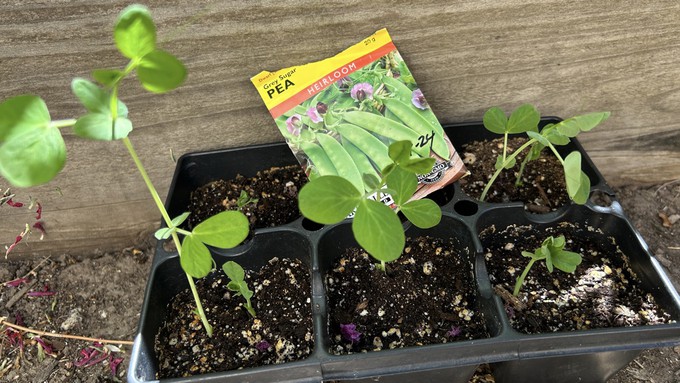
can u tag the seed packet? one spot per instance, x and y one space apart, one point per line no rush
340 115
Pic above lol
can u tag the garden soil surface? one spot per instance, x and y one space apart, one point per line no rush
101 295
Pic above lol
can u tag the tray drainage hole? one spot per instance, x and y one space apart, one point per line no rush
311 225
466 208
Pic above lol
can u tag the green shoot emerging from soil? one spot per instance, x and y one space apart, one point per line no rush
553 253
376 227
525 119
32 150
244 199
238 284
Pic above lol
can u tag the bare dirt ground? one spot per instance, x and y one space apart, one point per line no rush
100 296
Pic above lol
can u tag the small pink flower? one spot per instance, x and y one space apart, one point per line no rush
294 124
343 84
362 91
454 332
314 115
418 99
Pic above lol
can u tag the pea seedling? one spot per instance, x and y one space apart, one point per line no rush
238 284
525 120
32 150
376 227
553 253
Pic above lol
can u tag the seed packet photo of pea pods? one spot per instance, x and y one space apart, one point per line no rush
340 115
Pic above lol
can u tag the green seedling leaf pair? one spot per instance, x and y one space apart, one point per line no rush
223 230
32 149
238 284
553 253
376 227
525 120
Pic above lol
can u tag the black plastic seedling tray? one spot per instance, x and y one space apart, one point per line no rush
585 356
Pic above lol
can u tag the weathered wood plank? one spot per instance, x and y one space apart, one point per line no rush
565 57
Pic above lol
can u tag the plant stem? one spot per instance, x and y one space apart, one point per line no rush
63 123
168 222
554 150
520 280
505 163
518 181
505 146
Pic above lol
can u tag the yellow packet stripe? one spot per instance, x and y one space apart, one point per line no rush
284 89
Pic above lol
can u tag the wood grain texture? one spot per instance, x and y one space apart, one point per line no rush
566 57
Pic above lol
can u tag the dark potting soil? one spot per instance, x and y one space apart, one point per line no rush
603 292
282 331
543 187
273 193
427 296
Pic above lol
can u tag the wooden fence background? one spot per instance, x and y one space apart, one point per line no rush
566 57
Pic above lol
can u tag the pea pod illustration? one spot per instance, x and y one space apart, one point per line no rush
403 93
319 159
374 149
419 124
385 127
342 161
360 159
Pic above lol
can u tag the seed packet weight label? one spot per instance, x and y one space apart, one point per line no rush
340 115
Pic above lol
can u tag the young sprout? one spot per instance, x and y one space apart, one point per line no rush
376 227
32 149
244 199
238 284
553 253
525 120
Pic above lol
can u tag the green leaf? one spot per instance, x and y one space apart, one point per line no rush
566 261
547 255
509 165
163 233
33 157
557 243
378 230
90 95
95 99
160 72
100 126
195 257
555 137
571 127
578 183
418 165
234 271
371 181
400 151
424 213
523 119
328 199
180 218
135 32
403 183
22 113
107 77
223 230
538 137
495 120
